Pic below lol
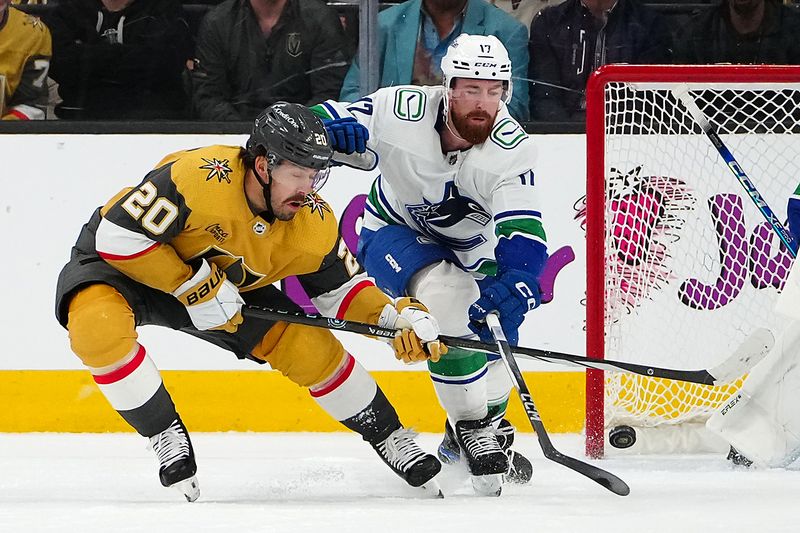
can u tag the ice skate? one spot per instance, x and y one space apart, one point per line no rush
176 457
520 469
401 452
486 460
449 452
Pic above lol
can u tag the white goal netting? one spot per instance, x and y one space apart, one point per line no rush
690 266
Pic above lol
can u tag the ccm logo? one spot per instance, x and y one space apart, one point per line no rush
490 65
526 293
392 263
530 408
203 290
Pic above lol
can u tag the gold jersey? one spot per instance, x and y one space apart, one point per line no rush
193 205
25 50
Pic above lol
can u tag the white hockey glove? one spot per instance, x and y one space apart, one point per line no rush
212 301
417 326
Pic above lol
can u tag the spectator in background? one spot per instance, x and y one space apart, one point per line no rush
571 40
120 59
743 32
25 50
523 10
414 36
253 53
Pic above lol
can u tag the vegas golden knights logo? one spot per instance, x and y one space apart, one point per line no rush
293 44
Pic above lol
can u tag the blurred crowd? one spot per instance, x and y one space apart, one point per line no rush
226 60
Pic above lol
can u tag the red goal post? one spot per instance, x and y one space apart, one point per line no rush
663 280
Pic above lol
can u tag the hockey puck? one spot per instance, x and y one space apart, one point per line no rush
622 437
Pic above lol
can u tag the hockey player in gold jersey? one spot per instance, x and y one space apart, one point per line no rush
207 231
25 50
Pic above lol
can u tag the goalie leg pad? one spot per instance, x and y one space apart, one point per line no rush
762 421
751 430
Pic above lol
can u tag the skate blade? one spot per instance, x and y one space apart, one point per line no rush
432 489
489 485
190 488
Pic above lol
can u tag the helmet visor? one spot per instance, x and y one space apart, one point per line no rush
320 178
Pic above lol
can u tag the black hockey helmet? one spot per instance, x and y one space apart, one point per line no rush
290 132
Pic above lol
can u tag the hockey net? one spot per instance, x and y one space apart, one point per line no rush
681 266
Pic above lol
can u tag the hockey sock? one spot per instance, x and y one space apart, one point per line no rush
497 411
352 397
134 388
498 390
459 379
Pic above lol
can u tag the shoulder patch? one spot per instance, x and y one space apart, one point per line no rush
317 205
508 134
217 168
409 104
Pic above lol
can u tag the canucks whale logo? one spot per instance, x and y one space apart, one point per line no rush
450 211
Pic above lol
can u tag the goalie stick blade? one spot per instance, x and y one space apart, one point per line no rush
754 348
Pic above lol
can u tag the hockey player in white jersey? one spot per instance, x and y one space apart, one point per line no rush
454 220
762 420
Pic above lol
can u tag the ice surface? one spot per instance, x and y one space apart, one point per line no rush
334 482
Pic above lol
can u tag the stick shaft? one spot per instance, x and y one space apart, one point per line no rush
702 377
598 475
691 106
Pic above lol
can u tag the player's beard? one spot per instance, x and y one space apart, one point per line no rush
473 133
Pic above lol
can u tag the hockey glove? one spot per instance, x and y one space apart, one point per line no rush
418 339
512 294
347 135
211 300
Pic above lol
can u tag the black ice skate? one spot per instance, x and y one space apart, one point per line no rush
176 457
478 442
486 460
401 452
520 468
449 452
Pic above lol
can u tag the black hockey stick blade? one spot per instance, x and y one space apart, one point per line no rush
598 475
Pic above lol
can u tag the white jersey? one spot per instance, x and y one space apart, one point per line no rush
465 200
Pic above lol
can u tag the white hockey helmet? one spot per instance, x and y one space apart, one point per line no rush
479 57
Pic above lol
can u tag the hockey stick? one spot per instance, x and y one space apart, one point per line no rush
750 352
606 479
681 92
